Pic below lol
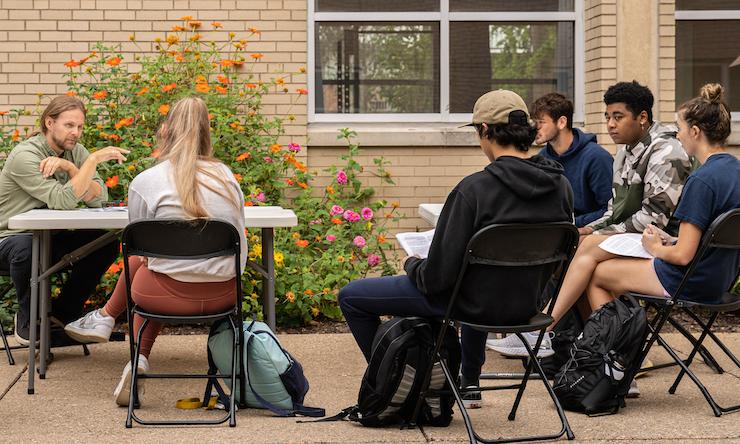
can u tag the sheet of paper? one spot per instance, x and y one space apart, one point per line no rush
628 244
416 244
105 209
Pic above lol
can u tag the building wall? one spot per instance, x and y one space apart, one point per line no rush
624 40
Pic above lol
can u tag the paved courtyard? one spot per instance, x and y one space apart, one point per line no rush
75 403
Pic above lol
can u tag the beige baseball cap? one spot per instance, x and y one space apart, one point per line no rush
494 107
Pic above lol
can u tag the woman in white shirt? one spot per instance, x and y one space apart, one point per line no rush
186 183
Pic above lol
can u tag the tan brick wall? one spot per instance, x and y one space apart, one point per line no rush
667 60
600 63
38 36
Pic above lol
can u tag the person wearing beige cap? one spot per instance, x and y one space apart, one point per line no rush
514 187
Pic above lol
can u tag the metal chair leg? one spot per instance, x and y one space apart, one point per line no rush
696 348
6 346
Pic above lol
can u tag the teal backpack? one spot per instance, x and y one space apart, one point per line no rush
275 379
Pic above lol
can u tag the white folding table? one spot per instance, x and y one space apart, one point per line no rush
430 212
42 222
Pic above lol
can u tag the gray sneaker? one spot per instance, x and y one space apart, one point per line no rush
93 327
121 393
512 346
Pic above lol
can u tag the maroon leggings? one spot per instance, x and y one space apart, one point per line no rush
159 293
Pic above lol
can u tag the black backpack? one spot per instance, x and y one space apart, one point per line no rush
603 359
391 385
564 334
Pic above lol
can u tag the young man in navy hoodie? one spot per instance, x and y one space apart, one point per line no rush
514 187
587 165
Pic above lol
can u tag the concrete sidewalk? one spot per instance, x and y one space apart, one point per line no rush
75 402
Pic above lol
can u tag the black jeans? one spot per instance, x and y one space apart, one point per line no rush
83 276
365 300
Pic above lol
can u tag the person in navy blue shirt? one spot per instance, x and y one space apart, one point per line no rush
587 165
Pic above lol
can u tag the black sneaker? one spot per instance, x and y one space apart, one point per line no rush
22 332
471 397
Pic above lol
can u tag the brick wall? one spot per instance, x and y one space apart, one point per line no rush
38 36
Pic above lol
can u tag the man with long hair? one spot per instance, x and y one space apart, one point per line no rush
52 170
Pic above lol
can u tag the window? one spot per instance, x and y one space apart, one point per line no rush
429 60
708 49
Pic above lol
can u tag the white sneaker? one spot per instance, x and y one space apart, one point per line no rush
513 346
634 391
93 327
123 388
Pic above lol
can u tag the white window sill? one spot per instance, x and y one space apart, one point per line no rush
417 134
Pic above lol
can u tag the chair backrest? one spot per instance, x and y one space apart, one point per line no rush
506 268
181 239
723 233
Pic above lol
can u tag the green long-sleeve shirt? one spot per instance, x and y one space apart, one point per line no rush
23 188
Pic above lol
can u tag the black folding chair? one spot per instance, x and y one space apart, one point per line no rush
724 233
197 239
525 256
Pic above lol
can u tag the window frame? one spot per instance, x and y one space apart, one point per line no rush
443 17
691 15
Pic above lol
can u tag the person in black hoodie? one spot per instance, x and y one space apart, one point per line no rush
514 187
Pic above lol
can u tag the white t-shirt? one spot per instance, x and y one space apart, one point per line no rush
153 194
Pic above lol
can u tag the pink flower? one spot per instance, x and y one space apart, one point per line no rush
315 222
359 241
260 197
341 177
336 209
331 237
267 159
367 213
294 147
373 260
351 216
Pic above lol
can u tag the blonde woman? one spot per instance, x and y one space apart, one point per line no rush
186 183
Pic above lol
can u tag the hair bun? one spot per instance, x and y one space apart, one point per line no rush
712 92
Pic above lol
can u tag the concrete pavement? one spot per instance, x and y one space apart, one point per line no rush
75 402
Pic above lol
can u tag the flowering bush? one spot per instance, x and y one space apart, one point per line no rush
341 231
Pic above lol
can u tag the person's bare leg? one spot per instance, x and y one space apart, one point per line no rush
617 276
581 268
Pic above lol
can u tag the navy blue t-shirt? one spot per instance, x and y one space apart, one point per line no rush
713 189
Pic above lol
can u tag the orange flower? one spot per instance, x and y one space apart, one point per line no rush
16 135
395 205
72 64
200 79
302 243
308 292
381 239
226 63
202 87
2 113
303 185
111 182
172 39
156 153
238 177
186 18
124 122
146 144
254 30
300 166
249 203
195 23
114 269
100 95
221 90
243 156
330 189
251 86
170 87
210 116
163 109
222 79
275 148
177 28
256 56
195 38
302 91
216 25
337 221
142 91
114 137
113 61
290 296
179 58
71 93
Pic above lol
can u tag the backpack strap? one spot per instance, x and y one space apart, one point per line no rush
298 409
348 413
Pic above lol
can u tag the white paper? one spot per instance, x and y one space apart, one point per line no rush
416 244
628 244
105 209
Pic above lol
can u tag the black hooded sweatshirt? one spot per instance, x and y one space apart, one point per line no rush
508 190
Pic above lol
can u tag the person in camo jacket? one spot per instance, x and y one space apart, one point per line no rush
650 167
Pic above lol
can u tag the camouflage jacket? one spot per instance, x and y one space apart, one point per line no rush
648 179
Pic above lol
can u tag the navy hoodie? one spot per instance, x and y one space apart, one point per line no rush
508 190
588 167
